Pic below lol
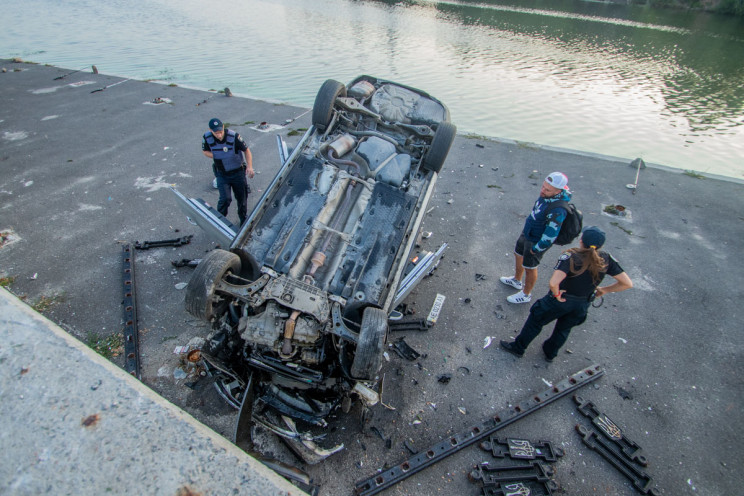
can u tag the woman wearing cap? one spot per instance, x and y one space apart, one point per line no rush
573 286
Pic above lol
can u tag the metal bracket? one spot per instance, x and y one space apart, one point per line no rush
146 245
522 449
610 452
629 449
409 325
131 335
491 476
389 477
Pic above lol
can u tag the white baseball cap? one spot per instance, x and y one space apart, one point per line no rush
557 180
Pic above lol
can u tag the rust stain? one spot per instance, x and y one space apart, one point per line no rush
187 491
90 420
24 370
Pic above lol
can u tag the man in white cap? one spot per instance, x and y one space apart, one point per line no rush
540 230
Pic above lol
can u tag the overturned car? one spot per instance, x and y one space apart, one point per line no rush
299 304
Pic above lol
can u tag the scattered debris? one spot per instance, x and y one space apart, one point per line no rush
388 477
146 245
110 85
186 262
480 277
8 237
462 410
90 420
409 325
463 370
444 378
625 341
487 341
435 309
478 145
228 93
404 350
624 394
159 101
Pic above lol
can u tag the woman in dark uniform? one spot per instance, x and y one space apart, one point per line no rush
573 286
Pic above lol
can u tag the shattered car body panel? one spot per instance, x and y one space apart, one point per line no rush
299 304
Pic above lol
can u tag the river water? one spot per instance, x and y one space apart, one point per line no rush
618 80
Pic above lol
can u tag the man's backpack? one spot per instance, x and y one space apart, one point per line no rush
572 224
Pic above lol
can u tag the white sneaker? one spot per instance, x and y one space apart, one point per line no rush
519 298
510 281
214 183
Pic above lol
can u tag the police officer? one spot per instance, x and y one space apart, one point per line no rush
573 287
227 150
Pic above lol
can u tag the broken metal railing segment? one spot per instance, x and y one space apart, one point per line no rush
131 335
610 452
283 151
146 245
611 443
425 265
611 430
443 449
217 227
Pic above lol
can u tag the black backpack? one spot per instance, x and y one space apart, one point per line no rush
572 224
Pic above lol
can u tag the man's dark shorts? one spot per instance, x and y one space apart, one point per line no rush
523 249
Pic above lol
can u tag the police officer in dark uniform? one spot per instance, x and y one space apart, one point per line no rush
227 148
573 286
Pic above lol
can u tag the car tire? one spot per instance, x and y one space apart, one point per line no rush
200 293
440 146
368 355
324 101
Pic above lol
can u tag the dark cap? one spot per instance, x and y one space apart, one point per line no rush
215 124
593 237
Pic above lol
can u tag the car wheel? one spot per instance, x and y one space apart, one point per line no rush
200 293
324 101
368 355
440 146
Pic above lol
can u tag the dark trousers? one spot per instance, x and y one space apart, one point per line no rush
567 314
236 181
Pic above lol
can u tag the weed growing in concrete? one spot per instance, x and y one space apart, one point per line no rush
6 281
693 174
106 346
45 303
627 231
295 132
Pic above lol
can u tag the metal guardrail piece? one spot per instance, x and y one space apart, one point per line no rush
611 430
131 335
610 452
387 478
